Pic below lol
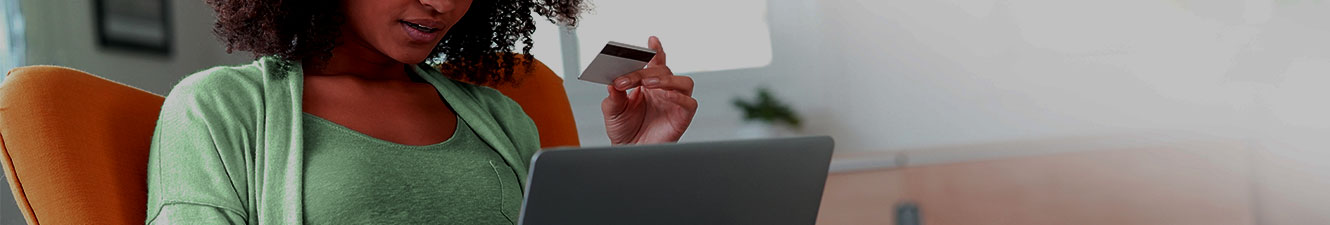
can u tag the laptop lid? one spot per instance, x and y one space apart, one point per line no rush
764 181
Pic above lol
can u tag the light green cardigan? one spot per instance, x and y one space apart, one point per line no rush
228 148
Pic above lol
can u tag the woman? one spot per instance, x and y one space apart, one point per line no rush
341 120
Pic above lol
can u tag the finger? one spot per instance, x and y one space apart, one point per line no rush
682 84
615 104
634 79
684 101
659 60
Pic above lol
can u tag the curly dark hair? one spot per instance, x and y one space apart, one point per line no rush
478 49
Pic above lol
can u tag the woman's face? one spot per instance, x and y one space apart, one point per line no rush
405 30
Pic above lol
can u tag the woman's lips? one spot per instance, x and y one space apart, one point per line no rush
421 33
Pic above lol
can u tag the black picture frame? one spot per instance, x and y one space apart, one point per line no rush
134 25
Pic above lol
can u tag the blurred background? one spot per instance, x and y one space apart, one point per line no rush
944 111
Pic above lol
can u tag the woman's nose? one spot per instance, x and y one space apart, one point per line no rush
439 5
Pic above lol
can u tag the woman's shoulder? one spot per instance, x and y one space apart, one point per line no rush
491 98
503 108
222 89
221 79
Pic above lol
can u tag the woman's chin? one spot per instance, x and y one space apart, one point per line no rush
408 53
412 59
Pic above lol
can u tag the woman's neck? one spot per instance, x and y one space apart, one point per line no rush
359 60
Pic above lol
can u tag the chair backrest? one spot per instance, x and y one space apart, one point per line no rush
75 146
542 96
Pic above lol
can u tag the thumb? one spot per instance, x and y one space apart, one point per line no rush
659 60
615 104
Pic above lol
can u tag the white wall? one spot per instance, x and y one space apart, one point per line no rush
62 32
956 72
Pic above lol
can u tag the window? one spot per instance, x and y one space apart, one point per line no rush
11 36
698 35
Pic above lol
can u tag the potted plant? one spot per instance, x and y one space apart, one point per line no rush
766 117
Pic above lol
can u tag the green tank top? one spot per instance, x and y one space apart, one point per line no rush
352 178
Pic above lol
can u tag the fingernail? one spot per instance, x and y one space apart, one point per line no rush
651 81
621 83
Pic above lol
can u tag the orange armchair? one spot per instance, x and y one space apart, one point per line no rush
74 146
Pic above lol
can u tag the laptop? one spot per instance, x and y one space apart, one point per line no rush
761 181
